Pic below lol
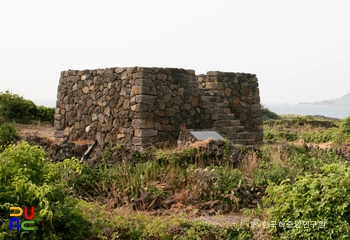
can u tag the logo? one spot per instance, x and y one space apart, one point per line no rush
25 225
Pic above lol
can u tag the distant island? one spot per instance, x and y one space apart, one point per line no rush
342 101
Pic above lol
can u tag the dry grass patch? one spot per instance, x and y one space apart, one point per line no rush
45 130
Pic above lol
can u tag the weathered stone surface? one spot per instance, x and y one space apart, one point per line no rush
222 123
256 108
86 89
194 101
160 113
142 123
243 117
137 90
147 99
145 132
141 141
142 106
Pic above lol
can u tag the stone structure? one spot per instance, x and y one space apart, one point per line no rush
147 106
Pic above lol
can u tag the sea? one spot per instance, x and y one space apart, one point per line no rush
331 111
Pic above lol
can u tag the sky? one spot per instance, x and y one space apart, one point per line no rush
299 50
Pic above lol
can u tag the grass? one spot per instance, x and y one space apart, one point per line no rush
125 223
308 129
105 198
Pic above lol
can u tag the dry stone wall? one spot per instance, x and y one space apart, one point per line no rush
147 107
230 103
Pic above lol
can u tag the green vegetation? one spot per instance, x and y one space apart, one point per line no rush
322 201
57 191
8 134
307 191
29 180
322 136
308 129
45 114
15 108
288 161
163 174
268 114
279 135
345 126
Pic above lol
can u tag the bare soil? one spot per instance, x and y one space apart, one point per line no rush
45 130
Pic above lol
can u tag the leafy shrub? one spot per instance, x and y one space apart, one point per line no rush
345 129
289 161
45 114
280 135
269 135
323 197
289 136
330 134
15 108
27 179
8 134
346 125
310 162
268 114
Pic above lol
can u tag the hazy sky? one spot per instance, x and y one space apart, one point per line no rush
300 50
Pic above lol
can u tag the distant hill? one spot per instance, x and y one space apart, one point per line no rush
342 101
